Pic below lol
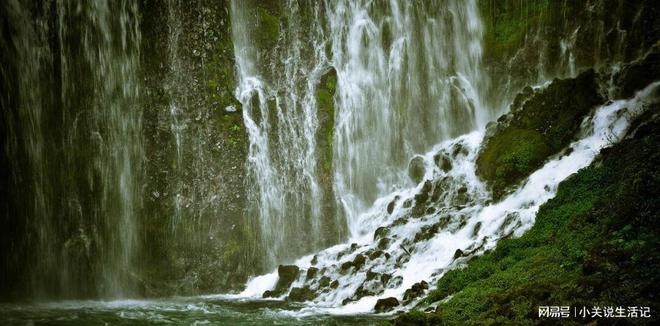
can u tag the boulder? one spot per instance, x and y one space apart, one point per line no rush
324 281
416 169
381 232
301 294
391 205
287 274
311 272
385 305
372 275
541 123
359 260
415 291
442 162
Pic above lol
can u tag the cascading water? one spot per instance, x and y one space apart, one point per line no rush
282 119
393 98
411 237
409 75
78 125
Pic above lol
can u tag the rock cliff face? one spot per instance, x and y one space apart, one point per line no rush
196 147
528 42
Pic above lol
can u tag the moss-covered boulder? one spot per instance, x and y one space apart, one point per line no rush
541 123
385 305
301 294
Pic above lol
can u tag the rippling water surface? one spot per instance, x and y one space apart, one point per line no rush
176 311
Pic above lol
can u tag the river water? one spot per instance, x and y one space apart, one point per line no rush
179 311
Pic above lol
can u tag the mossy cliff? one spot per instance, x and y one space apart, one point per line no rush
196 147
527 42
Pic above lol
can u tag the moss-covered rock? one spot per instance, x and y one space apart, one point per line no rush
594 244
541 123
386 304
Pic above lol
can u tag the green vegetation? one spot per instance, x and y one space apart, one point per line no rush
325 93
509 22
269 27
594 244
541 124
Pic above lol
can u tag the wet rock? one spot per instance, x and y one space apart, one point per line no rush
354 246
383 243
402 260
301 294
385 278
324 281
359 261
269 294
508 220
385 305
362 292
381 232
346 265
315 260
458 254
400 221
427 232
442 162
407 203
459 149
287 274
375 254
476 229
391 205
418 211
372 275
415 291
638 74
416 169
311 272
334 284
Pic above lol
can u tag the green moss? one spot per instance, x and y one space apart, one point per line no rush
507 23
541 124
269 28
325 102
594 244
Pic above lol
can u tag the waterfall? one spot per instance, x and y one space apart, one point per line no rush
76 123
282 119
408 75
406 247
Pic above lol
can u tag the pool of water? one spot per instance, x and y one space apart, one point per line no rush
176 311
